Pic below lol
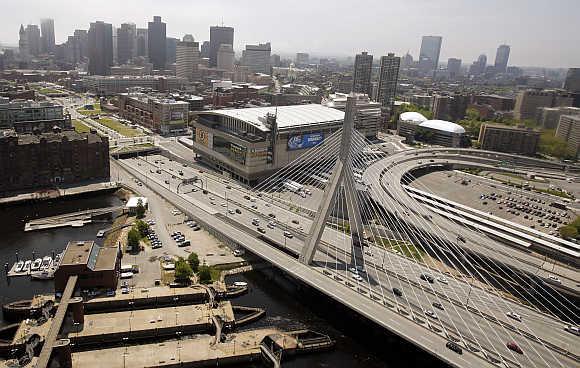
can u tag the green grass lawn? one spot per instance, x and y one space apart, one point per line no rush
80 127
119 128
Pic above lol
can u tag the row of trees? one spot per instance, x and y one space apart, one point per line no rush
572 230
138 231
185 268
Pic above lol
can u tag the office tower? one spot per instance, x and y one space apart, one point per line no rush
100 45
528 102
453 67
23 43
275 60
501 58
361 80
205 49
156 39
225 57
81 39
302 59
187 58
569 131
33 39
171 49
572 82
257 58
388 78
407 61
142 42
478 66
429 53
47 35
126 42
218 36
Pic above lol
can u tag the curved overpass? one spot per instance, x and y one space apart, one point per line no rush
385 184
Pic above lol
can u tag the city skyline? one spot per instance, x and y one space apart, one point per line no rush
462 33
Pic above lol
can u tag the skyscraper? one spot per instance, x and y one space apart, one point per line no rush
33 39
156 39
23 43
478 66
126 36
47 37
257 58
171 49
388 79
572 82
218 36
453 67
361 80
100 45
501 58
225 57
142 43
187 58
205 49
429 54
302 59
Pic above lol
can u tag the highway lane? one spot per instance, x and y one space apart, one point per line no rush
296 245
475 241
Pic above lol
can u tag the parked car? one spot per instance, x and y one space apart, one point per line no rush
454 347
397 292
513 346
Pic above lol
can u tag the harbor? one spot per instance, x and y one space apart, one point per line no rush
41 268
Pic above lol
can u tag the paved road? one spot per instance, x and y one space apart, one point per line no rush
416 296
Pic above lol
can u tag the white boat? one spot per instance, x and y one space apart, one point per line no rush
46 263
36 264
240 283
26 267
19 266
43 275
57 259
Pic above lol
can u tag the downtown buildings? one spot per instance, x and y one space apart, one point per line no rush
187 58
429 54
100 48
388 79
501 59
219 36
257 58
361 80
156 43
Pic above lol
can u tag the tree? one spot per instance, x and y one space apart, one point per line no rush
142 227
553 146
568 231
193 261
140 210
183 271
204 274
133 238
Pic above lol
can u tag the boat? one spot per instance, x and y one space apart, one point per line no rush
46 262
36 264
43 275
57 259
240 283
19 266
26 267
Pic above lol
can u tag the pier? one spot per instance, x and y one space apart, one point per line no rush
74 219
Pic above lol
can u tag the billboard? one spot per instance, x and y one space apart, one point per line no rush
203 137
302 141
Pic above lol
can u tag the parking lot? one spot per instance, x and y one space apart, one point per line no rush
517 205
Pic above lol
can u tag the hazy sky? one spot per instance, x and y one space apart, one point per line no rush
540 32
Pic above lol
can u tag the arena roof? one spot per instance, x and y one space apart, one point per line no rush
442 125
287 116
412 116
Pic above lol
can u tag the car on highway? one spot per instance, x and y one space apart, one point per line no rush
255 221
231 212
357 277
288 234
514 315
254 206
438 305
427 277
247 197
295 222
271 215
454 347
166 181
442 280
554 278
397 292
238 211
573 329
513 346
224 204
431 314
271 224
262 230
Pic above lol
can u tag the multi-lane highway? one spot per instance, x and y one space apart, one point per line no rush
469 313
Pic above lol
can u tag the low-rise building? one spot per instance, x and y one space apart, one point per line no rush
48 160
158 113
509 139
528 102
109 85
549 117
569 130
437 132
95 266
368 113
28 116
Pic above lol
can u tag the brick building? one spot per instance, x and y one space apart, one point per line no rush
96 266
509 139
158 113
28 116
46 160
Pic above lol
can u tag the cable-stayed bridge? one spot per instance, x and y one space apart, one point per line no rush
330 220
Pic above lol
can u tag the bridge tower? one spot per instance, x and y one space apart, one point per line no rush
342 178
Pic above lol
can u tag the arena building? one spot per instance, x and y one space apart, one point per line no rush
415 127
250 144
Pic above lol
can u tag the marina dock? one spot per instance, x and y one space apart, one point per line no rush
74 219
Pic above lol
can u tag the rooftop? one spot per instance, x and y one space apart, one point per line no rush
442 125
90 254
413 116
69 135
287 116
